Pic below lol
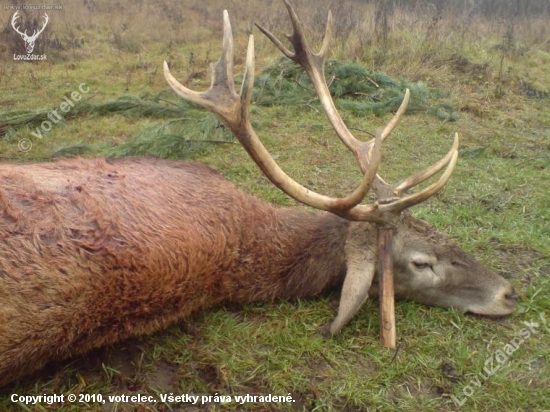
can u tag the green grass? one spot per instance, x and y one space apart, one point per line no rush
496 206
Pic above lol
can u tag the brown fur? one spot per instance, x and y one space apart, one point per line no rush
94 252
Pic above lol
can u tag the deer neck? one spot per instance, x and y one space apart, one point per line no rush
303 255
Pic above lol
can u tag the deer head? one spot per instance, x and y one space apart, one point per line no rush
429 268
29 40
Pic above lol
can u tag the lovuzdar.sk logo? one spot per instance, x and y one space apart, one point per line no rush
29 40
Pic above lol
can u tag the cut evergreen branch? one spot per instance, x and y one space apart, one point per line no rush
188 132
354 88
176 139
132 106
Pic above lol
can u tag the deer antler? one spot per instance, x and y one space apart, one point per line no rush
313 64
233 110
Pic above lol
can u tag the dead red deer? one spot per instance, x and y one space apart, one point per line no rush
94 252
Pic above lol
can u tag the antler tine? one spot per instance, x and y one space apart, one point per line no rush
389 194
418 197
382 189
397 116
419 177
248 80
222 88
314 65
232 109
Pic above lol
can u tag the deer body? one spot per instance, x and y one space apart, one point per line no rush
93 253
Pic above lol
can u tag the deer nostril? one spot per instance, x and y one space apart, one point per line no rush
511 296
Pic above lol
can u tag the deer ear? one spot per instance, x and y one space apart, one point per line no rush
361 266
354 293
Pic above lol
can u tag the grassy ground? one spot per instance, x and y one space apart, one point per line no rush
497 205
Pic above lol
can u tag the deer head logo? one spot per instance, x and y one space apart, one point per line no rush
29 40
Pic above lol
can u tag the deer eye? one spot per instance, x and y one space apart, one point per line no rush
421 265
